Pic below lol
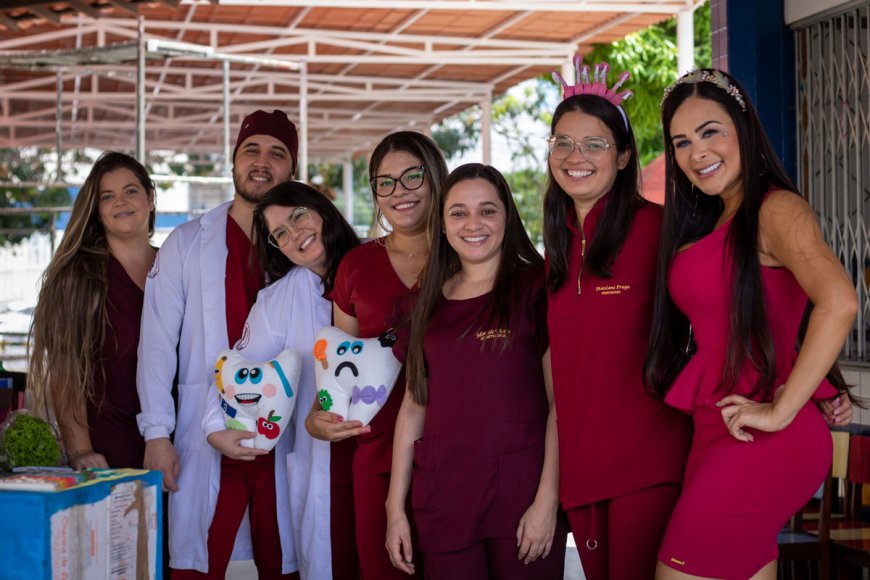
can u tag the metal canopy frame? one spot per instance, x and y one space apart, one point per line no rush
362 68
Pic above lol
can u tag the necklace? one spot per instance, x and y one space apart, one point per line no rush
391 246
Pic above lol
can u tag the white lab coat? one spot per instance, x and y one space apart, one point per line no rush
288 314
185 307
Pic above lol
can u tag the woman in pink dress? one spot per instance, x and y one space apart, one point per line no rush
741 257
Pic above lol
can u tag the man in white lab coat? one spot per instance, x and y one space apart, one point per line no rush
197 296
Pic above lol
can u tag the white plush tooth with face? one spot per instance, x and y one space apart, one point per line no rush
258 396
354 375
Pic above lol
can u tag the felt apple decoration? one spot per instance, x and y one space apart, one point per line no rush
258 396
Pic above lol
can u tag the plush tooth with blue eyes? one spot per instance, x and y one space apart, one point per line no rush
354 375
258 396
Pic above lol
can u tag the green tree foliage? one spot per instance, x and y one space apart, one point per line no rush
527 185
27 165
650 56
329 179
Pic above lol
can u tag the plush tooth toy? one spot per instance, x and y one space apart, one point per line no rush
258 397
354 375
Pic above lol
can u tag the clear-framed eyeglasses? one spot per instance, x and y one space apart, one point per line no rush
593 149
411 179
298 219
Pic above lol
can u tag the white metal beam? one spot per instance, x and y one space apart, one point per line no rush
650 6
116 25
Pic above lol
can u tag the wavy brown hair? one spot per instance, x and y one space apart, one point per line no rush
66 335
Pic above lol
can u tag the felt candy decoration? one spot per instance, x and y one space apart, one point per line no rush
354 375
258 396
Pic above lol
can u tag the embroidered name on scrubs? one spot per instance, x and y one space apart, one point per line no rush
493 333
612 289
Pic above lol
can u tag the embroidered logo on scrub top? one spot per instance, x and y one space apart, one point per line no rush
612 289
245 339
484 335
155 267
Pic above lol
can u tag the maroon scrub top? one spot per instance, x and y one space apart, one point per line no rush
478 464
112 413
614 439
243 279
368 288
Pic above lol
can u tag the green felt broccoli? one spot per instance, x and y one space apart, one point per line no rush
28 440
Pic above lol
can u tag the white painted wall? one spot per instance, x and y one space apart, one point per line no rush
860 377
797 10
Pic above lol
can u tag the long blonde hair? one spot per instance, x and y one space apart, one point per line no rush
66 336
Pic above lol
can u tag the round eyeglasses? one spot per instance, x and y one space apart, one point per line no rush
593 149
298 219
411 179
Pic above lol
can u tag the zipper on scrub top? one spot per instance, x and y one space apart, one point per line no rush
582 260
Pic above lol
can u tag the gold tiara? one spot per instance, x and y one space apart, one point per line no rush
714 77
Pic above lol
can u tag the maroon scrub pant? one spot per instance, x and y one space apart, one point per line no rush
370 498
495 558
244 485
619 538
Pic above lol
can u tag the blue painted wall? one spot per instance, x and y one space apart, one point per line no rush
761 56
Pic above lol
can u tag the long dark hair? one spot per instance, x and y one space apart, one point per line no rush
624 201
67 333
687 219
337 235
517 253
418 145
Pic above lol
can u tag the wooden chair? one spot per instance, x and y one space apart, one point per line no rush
850 536
804 545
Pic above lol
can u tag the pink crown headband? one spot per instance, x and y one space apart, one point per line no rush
597 86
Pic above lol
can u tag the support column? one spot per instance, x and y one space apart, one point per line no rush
228 163
347 184
486 128
58 128
302 170
761 55
685 41
140 93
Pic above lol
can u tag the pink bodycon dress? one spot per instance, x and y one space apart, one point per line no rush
737 496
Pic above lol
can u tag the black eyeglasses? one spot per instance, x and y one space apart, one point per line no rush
411 179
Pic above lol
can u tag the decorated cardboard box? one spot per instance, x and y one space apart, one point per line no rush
96 525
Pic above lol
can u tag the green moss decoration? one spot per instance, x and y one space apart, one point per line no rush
29 441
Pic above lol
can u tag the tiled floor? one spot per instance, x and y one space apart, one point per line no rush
573 571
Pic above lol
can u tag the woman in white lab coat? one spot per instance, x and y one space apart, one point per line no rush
301 238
